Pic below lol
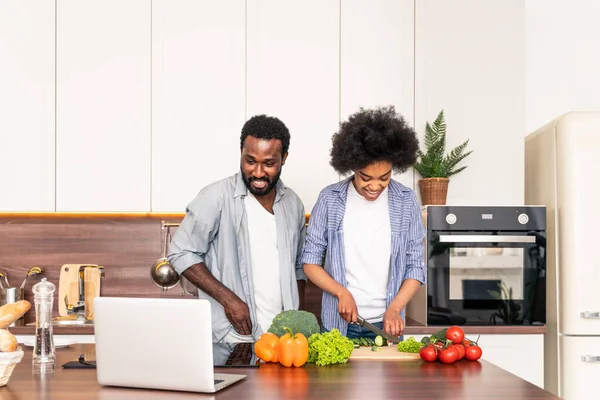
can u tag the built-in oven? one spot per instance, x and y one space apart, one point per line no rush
486 265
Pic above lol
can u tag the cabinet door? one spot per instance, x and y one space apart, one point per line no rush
580 367
198 96
470 61
27 105
578 146
373 72
103 105
293 74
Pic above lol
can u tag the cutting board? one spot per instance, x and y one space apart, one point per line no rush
386 353
91 290
68 285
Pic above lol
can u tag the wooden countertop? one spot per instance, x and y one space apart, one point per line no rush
354 380
412 328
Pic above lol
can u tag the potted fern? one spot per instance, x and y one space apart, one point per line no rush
434 166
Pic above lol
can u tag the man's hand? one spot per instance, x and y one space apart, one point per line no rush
238 313
347 306
236 310
392 322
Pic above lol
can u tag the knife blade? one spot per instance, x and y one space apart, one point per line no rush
376 330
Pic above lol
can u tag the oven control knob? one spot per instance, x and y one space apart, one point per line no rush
523 219
451 218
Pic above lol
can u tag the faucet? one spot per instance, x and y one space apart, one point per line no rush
79 308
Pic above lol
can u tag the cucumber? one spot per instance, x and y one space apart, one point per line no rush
378 341
375 348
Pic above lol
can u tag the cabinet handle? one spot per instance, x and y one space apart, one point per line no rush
590 314
590 359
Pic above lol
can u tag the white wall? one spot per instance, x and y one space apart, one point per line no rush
563 37
151 99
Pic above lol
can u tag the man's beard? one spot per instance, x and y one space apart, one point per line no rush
260 192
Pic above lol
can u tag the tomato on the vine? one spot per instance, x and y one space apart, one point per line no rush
448 355
461 350
428 353
473 352
456 334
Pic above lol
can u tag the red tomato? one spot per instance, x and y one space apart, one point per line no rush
448 355
456 334
466 343
461 350
428 353
473 353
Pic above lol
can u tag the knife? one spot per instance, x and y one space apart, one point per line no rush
376 330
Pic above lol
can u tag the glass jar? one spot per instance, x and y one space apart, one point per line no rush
43 350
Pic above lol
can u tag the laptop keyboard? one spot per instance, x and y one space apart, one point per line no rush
218 381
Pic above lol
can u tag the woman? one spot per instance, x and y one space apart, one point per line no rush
370 227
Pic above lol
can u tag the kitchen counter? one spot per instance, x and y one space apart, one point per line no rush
358 379
412 328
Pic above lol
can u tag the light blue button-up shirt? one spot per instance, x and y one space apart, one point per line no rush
326 233
215 231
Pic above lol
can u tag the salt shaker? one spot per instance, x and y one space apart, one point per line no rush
43 351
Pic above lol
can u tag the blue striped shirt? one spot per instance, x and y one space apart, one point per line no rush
325 233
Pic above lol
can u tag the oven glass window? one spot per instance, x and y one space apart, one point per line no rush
486 273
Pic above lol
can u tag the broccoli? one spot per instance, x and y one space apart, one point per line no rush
297 320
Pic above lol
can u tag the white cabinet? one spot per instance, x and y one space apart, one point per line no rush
103 105
27 105
470 62
293 74
580 367
372 71
577 148
521 355
198 96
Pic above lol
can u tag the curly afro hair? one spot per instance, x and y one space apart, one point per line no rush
374 135
267 128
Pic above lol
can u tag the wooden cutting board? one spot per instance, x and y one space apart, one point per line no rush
68 285
91 290
386 353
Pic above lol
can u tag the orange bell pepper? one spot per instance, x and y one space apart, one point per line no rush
267 347
293 349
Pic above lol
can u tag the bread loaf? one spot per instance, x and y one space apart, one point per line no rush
11 312
8 341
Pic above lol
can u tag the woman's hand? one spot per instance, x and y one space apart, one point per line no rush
392 322
347 306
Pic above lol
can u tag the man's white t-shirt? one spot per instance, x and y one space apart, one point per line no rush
265 262
367 247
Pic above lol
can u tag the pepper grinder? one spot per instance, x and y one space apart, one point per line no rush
43 351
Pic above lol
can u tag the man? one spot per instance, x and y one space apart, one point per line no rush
242 237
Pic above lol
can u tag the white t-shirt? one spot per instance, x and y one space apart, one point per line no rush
367 247
265 262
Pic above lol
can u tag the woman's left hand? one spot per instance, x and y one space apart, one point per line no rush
392 322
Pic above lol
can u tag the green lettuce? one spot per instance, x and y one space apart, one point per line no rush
329 348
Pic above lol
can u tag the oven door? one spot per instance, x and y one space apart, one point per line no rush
486 278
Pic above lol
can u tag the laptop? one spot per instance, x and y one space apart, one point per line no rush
156 343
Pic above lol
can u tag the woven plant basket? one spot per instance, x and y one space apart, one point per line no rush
433 190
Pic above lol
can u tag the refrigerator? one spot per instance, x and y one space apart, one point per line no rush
562 172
